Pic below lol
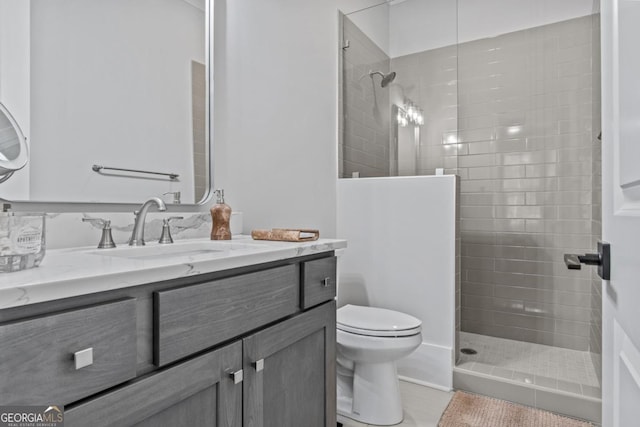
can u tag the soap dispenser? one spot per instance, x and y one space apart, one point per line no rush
220 215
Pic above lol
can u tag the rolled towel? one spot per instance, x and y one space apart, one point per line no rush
286 234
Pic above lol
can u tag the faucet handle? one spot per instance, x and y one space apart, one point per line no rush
166 230
106 241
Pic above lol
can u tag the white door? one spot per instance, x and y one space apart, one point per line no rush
621 211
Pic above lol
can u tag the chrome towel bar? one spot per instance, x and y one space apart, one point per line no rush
98 168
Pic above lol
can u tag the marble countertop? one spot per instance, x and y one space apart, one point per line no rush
67 273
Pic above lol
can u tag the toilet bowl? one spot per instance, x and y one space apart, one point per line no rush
370 341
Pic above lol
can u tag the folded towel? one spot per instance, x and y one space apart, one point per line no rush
286 234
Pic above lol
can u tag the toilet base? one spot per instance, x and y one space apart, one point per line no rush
377 394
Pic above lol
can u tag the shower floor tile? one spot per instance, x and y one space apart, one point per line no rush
545 366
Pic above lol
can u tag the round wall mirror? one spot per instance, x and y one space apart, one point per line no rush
13 145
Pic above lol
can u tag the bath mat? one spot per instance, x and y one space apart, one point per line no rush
471 410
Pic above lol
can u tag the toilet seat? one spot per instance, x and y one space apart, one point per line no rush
376 322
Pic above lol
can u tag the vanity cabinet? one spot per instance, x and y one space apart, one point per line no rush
250 347
290 372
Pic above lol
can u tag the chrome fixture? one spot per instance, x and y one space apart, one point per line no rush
386 78
106 241
137 235
99 169
166 230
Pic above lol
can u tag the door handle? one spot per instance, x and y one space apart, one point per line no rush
602 259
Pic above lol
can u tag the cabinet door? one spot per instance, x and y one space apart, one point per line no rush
197 393
290 372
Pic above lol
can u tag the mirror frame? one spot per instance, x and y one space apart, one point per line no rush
8 167
62 207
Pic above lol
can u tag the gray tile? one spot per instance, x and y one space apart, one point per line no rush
524 321
547 382
493 388
573 406
482 368
591 391
543 181
569 386
569 327
502 372
523 377
477 211
471 288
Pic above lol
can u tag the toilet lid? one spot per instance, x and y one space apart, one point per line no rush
377 322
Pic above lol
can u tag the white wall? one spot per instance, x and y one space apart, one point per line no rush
14 81
120 101
418 25
275 131
375 23
401 256
489 18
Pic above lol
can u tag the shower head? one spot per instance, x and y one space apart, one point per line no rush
386 78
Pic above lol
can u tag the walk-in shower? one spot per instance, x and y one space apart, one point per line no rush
509 93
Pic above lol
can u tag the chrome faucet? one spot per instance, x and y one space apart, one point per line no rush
137 235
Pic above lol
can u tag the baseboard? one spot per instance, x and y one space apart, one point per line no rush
423 383
430 365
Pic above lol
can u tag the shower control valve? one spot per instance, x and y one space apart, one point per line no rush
602 259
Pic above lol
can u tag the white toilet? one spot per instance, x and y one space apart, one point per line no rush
370 340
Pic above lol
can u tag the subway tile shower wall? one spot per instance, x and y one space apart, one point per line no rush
364 134
429 78
529 160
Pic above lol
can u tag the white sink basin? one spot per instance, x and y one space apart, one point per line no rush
202 249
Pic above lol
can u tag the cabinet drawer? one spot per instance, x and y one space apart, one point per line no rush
319 281
193 318
38 356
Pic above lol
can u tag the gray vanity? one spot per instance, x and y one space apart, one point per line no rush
235 339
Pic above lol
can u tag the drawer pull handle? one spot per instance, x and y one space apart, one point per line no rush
83 358
326 281
259 365
237 376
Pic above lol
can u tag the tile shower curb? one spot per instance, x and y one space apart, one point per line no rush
554 400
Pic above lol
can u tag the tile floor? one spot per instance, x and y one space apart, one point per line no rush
423 406
550 367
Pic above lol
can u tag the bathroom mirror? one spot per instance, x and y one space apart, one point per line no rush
112 95
13 147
